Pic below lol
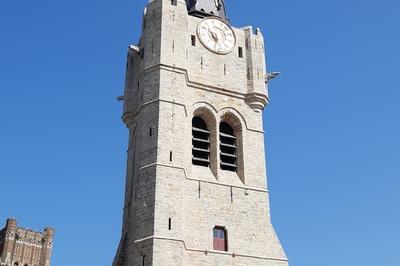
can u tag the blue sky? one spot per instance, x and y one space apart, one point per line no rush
332 128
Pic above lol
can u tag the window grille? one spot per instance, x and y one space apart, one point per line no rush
200 142
228 147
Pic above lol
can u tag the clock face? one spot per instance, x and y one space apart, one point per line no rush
216 35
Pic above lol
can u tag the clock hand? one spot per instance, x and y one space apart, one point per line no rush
213 34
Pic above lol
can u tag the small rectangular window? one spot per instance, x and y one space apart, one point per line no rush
142 54
240 52
170 156
150 132
193 38
220 242
169 224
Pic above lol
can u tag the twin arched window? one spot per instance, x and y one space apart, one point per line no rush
200 142
228 147
201 145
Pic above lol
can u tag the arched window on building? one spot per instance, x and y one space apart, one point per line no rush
200 142
220 240
228 147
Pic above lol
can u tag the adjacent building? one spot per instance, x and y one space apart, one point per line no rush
24 247
196 185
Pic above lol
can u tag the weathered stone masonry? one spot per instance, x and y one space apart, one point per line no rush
171 206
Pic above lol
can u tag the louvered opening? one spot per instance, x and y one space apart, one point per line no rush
228 147
200 142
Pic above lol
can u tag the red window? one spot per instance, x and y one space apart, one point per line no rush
219 239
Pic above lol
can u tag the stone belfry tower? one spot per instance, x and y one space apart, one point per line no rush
196 189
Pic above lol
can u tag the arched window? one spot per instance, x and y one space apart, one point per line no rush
200 142
228 147
220 240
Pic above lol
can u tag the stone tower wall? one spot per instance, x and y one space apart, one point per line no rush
171 206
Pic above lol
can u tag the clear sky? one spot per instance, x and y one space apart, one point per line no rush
332 128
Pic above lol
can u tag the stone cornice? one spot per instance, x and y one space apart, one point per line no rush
202 86
206 251
245 188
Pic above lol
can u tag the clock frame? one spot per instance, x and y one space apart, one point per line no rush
216 35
